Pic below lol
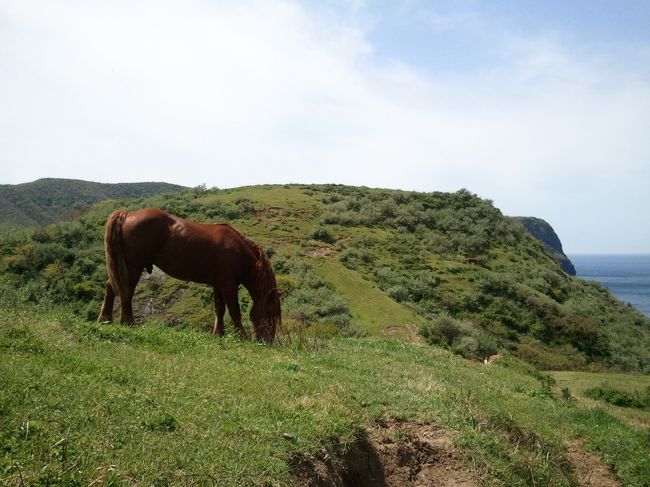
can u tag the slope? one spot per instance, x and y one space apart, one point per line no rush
94 404
359 261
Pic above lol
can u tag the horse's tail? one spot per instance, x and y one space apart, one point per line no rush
118 273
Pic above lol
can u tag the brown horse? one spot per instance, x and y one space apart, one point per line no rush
213 254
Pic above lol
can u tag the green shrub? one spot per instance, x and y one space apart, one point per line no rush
564 357
399 293
461 336
620 398
309 299
581 332
324 235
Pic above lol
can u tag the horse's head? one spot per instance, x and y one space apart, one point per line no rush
266 315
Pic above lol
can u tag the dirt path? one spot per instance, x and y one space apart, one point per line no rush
393 453
589 468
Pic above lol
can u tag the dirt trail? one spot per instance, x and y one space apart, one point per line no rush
588 467
392 454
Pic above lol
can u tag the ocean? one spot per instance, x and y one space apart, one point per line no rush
626 276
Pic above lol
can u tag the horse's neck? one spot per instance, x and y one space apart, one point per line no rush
251 280
258 283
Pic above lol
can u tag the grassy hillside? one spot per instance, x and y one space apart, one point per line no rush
95 404
359 261
166 403
49 200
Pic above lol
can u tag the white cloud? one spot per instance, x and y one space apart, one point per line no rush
252 92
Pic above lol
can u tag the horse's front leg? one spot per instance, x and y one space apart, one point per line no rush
230 295
106 314
219 311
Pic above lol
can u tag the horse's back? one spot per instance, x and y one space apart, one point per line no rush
147 226
187 250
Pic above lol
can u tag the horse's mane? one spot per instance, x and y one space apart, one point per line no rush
263 264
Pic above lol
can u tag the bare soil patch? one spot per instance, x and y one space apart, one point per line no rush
409 331
269 211
319 252
391 453
588 467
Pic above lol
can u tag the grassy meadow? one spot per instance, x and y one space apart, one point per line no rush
114 405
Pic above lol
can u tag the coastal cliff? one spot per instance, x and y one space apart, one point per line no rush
543 232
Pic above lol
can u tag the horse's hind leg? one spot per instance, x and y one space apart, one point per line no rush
106 314
126 316
220 311
232 301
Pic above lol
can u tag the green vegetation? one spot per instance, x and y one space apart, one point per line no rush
357 261
50 200
585 385
620 398
166 403
154 405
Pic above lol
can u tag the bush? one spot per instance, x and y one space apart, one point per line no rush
461 336
309 298
399 293
620 398
352 257
564 357
323 234
581 332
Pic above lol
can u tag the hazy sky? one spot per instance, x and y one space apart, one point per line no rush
541 106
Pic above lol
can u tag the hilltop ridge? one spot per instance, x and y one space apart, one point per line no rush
49 200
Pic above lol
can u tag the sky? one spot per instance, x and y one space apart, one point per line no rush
541 106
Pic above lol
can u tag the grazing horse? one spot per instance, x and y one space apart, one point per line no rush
214 254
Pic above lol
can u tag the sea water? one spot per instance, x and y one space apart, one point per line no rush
626 276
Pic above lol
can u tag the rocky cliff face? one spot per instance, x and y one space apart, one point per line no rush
543 232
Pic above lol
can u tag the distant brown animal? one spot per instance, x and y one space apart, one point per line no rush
471 261
492 358
213 254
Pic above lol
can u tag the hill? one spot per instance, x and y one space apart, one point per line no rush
50 200
368 382
359 261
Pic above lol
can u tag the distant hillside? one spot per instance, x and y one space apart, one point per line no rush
357 261
542 231
49 200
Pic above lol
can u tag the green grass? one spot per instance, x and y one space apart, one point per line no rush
371 308
579 382
153 405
